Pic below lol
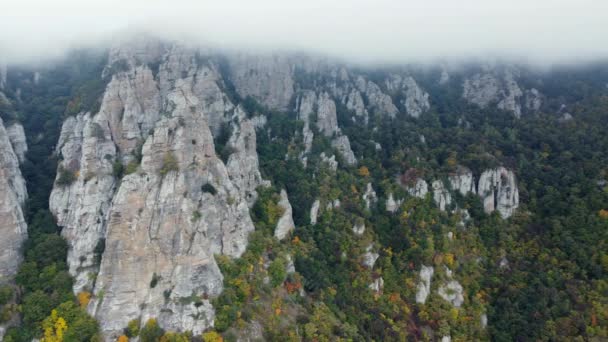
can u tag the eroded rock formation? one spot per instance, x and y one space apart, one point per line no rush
145 243
498 190
500 87
13 193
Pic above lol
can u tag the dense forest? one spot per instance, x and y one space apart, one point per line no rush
541 275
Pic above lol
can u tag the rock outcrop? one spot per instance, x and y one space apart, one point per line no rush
285 224
359 228
331 162
81 205
342 144
13 193
355 103
369 196
370 257
314 212
498 190
268 79
379 102
416 100
419 189
424 284
327 119
377 285
243 165
452 292
16 136
392 205
145 243
307 104
441 195
462 181
501 88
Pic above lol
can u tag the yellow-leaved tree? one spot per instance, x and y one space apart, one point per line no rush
54 327
212 336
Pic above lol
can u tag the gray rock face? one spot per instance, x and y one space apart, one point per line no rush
452 292
379 101
419 189
305 107
369 196
392 205
335 204
441 195
483 320
481 89
566 117
327 119
355 103
424 285
268 79
416 100
314 212
342 144
462 181
309 103
331 162
534 99
243 164
498 190
492 86
285 224
163 223
377 285
370 257
81 207
359 228
13 193
17 137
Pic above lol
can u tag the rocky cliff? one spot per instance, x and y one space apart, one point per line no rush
13 193
494 86
144 201
497 189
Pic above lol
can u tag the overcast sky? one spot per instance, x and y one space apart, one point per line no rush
362 30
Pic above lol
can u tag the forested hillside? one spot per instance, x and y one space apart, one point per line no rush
388 204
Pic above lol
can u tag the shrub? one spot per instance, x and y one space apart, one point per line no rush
196 215
169 164
277 273
131 167
66 177
6 293
84 298
118 169
212 336
154 281
132 329
151 332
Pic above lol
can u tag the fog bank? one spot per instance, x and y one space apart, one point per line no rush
380 31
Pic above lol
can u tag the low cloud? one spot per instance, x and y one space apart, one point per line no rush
388 31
